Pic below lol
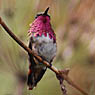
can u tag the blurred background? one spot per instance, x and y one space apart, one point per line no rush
74 24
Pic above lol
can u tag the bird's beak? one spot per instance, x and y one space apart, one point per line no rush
46 11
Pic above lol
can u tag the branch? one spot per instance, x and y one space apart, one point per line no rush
55 70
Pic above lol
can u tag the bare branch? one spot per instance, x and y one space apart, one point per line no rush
66 78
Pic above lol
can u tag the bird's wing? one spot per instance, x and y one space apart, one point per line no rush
35 74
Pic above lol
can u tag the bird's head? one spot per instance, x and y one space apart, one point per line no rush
44 17
41 26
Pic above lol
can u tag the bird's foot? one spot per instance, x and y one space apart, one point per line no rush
50 65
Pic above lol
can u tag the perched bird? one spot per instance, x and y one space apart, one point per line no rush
43 43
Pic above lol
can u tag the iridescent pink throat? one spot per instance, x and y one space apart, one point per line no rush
41 26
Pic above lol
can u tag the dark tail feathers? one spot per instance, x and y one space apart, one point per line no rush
34 77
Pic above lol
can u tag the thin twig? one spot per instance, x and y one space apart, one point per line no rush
66 78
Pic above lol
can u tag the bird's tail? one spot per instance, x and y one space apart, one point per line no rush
34 76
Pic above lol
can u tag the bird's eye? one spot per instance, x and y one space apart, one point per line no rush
38 15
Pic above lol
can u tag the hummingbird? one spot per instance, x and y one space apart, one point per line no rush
43 42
